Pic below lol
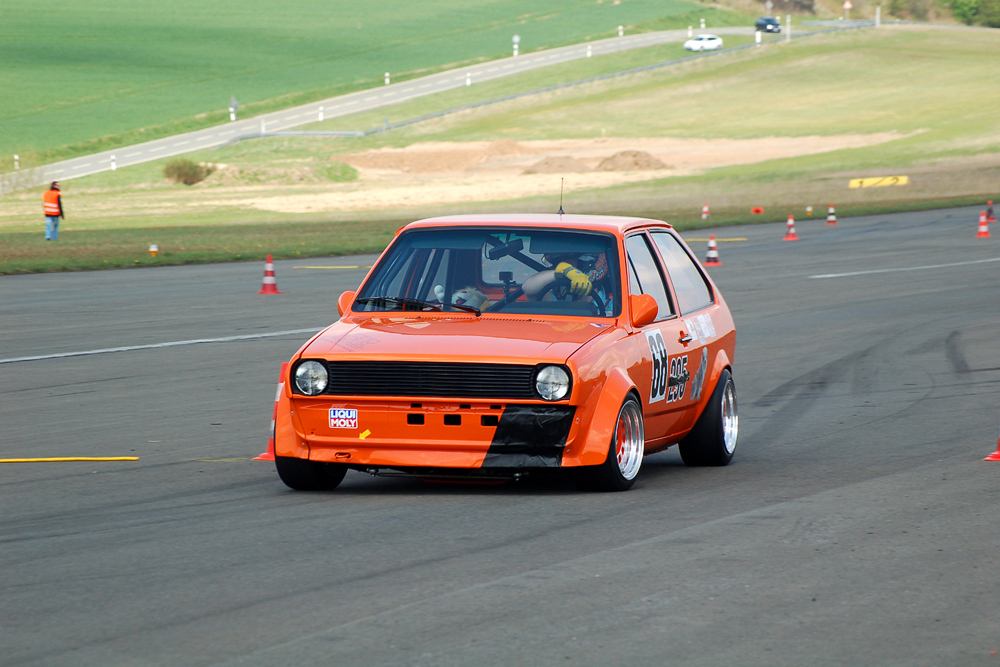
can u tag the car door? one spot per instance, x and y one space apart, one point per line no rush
696 305
671 351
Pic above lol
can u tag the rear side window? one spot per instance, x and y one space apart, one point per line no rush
693 291
645 276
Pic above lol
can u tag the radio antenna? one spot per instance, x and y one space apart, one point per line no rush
562 182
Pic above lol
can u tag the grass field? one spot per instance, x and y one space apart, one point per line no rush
87 75
933 86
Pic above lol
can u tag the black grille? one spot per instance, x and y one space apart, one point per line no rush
415 379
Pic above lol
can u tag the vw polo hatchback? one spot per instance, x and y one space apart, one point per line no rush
488 347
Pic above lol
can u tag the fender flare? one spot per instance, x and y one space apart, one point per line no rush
287 441
594 449
722 363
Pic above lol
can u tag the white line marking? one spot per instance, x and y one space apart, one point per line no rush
153 346
908 268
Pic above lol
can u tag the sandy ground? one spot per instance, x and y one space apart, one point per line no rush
427 174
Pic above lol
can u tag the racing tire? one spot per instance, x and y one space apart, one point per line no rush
303 475
619 470
712 441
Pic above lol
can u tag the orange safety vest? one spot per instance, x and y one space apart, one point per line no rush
51 201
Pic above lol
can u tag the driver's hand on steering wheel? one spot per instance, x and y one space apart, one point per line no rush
579 283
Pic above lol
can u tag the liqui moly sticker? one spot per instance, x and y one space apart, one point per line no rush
343 418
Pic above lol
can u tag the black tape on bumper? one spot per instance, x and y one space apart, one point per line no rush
530 436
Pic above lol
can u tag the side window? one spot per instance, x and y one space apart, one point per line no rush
644 270
693 291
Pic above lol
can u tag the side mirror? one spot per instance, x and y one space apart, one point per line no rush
344 302
643 309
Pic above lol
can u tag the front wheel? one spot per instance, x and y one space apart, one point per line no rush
712 441
303 475
619 470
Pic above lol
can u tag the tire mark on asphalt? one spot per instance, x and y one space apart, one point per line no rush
954 354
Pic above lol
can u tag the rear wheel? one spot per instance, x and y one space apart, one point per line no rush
712 441
619 470
303 475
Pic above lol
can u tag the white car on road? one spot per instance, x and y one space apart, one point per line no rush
704 43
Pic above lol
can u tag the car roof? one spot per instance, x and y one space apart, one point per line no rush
605 223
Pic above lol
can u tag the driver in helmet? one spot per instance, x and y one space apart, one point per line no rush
577 276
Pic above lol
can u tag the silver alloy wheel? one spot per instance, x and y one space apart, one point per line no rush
630 439
730 420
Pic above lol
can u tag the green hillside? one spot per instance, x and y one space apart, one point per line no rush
112 72
925 92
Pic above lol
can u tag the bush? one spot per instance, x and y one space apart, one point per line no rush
989 13
187 171
965 10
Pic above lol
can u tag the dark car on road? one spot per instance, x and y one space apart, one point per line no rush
768 24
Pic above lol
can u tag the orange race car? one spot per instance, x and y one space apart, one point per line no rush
489 346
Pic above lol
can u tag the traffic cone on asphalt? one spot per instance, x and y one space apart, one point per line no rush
269 454
989 212
831 216
995 456
704 212
270 285
712 256
984 229
790 234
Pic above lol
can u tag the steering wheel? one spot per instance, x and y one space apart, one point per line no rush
560 282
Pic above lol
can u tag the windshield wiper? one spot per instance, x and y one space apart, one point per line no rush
462 306
415 303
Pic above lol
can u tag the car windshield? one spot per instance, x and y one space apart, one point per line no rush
498 269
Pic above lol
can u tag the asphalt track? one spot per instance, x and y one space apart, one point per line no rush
857 524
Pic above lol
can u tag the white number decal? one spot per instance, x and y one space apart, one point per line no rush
661 366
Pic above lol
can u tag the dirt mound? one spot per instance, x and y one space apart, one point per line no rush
630 161
557 165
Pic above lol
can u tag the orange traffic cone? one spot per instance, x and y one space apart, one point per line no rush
704 212
269 454
831 216
989 212
270 285
984 229
712 256
809 210
790 234
995 456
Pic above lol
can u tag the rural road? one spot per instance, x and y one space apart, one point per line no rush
364 100
857 524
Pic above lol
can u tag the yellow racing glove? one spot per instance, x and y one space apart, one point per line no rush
579 283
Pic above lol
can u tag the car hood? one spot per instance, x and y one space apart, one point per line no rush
490 338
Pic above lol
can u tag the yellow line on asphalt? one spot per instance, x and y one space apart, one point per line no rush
331 267
62 459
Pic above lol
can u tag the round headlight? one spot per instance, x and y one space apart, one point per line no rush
311 378
552 383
